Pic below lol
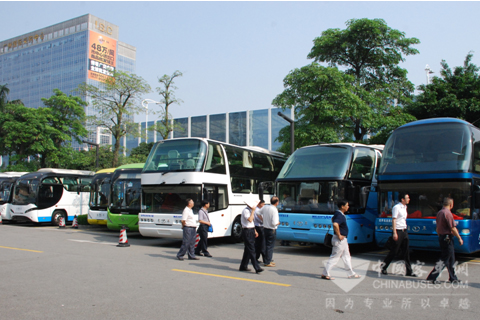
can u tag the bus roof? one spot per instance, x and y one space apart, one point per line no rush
435 120
131 166
109 170
12 174
351 144
66 171
252 148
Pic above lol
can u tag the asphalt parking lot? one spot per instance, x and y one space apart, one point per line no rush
52 273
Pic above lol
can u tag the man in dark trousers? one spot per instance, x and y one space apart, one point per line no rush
249 233
446 230
260 239
400 236
204 221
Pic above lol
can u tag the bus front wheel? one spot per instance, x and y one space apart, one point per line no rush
56 217
236 230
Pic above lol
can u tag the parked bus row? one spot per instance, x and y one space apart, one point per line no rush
428 159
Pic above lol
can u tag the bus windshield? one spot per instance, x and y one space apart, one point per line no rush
5 188
126 192
310 196
100 192
426 198
25 191
443 147
317 161
169 199
176 155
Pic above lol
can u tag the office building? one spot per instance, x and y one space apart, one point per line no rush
62 56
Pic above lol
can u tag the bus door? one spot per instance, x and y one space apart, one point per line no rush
219 213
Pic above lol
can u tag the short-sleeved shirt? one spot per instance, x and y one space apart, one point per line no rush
189 218
399 212
245 215
270 216
340 218
203 215
445 222
257 221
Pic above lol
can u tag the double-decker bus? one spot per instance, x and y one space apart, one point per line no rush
203 169
99 194
432 159
314 178
125 197
7 181
49 194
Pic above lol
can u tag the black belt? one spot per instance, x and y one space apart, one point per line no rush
248 228
403 230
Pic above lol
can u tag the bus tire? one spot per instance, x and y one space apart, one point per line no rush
56 217
236 235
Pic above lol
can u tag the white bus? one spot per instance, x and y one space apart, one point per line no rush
7 181
198 168
49 194
99 193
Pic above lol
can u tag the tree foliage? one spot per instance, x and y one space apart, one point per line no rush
115 103
369 52
167 92
3 96
456 94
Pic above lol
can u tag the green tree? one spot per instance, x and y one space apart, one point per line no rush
167 91
140 153
24 132
65 118
370 51
456 94
86 159
4 91
324 103
115 104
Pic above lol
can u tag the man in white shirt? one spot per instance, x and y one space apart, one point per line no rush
400 236
249 234
270 223
189 226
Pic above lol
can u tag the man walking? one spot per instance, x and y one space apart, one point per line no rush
249 235
204 221
446 230
260 239
270 223
339 241
400 236
189 227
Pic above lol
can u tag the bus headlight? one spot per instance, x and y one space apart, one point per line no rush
286 223
314 225
465 231
381 227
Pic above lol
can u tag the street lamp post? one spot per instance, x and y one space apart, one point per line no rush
145 103
96 152
292 131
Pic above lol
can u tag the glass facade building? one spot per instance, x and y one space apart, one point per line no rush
245 128
62 56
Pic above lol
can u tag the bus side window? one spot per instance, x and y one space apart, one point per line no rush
476 157
217 196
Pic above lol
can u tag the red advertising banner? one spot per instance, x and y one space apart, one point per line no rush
101 62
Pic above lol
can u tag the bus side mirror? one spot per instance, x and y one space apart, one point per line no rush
350 194
364 191
262 186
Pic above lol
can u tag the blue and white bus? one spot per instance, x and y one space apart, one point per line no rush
312 181
49 194
200 169
431 159
7 181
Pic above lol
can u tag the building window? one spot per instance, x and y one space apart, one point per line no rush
258 135
199 127
237 131
218 125
180 129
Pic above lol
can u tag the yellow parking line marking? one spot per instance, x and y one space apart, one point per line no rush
234 278
21 249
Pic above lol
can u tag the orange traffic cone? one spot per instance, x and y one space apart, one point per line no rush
197 240
61 224
123 241
75 222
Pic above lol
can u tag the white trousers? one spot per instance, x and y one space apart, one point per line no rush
339 250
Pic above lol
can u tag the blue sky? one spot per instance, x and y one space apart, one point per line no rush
234 55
